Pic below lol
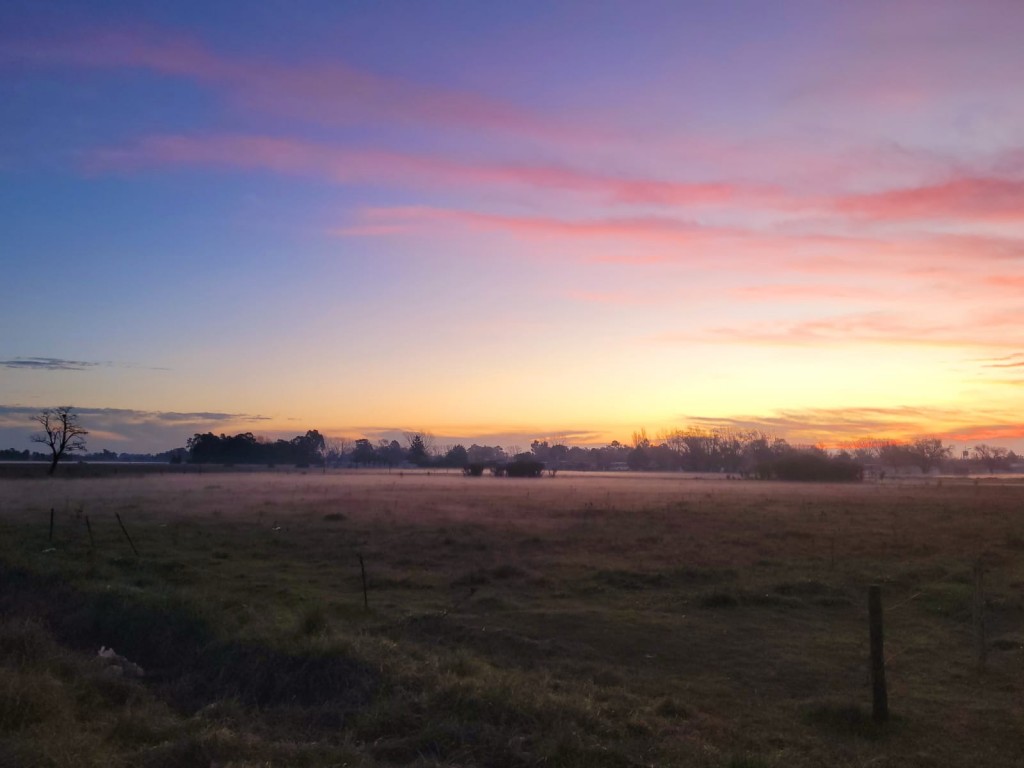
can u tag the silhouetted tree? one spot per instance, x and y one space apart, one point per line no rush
308 448
638 458
928 453
485 454
540 449
363 452
391 452
418 450
457 456
61 433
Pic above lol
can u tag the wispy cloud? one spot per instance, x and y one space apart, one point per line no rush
885 328
50 364
837 425
811 248
656 229
128 415
791 292
1008 360
313 91
60 364
614 298
388 168
972 198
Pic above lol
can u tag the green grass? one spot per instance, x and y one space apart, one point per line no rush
569 621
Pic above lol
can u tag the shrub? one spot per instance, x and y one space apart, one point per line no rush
524 468
816 467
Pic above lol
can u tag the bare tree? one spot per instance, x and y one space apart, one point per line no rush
991 456
337 447
61 433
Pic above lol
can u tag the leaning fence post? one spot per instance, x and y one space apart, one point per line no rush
88 527
362 569
979 615
125 531
879 694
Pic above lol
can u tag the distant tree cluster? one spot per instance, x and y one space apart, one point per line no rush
246 448
419 451
993 458
928 453
13 454
925 454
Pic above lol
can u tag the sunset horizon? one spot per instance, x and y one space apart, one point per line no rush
503 223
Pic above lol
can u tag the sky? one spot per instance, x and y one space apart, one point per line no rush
507 221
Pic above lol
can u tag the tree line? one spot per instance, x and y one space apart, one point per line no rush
745 453
748 453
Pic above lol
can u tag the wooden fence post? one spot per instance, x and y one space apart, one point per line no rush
362 569
125 531
879 693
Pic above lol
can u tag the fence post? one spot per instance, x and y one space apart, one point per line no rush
362 569
879 693
125 531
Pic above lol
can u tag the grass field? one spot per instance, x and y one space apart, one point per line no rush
581 620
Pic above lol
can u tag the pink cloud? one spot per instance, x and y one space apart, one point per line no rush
125 47
977 198
978 433
323 92
872 270
1005 282
291 156
817 292
920 256
612 298
625 259
642 228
